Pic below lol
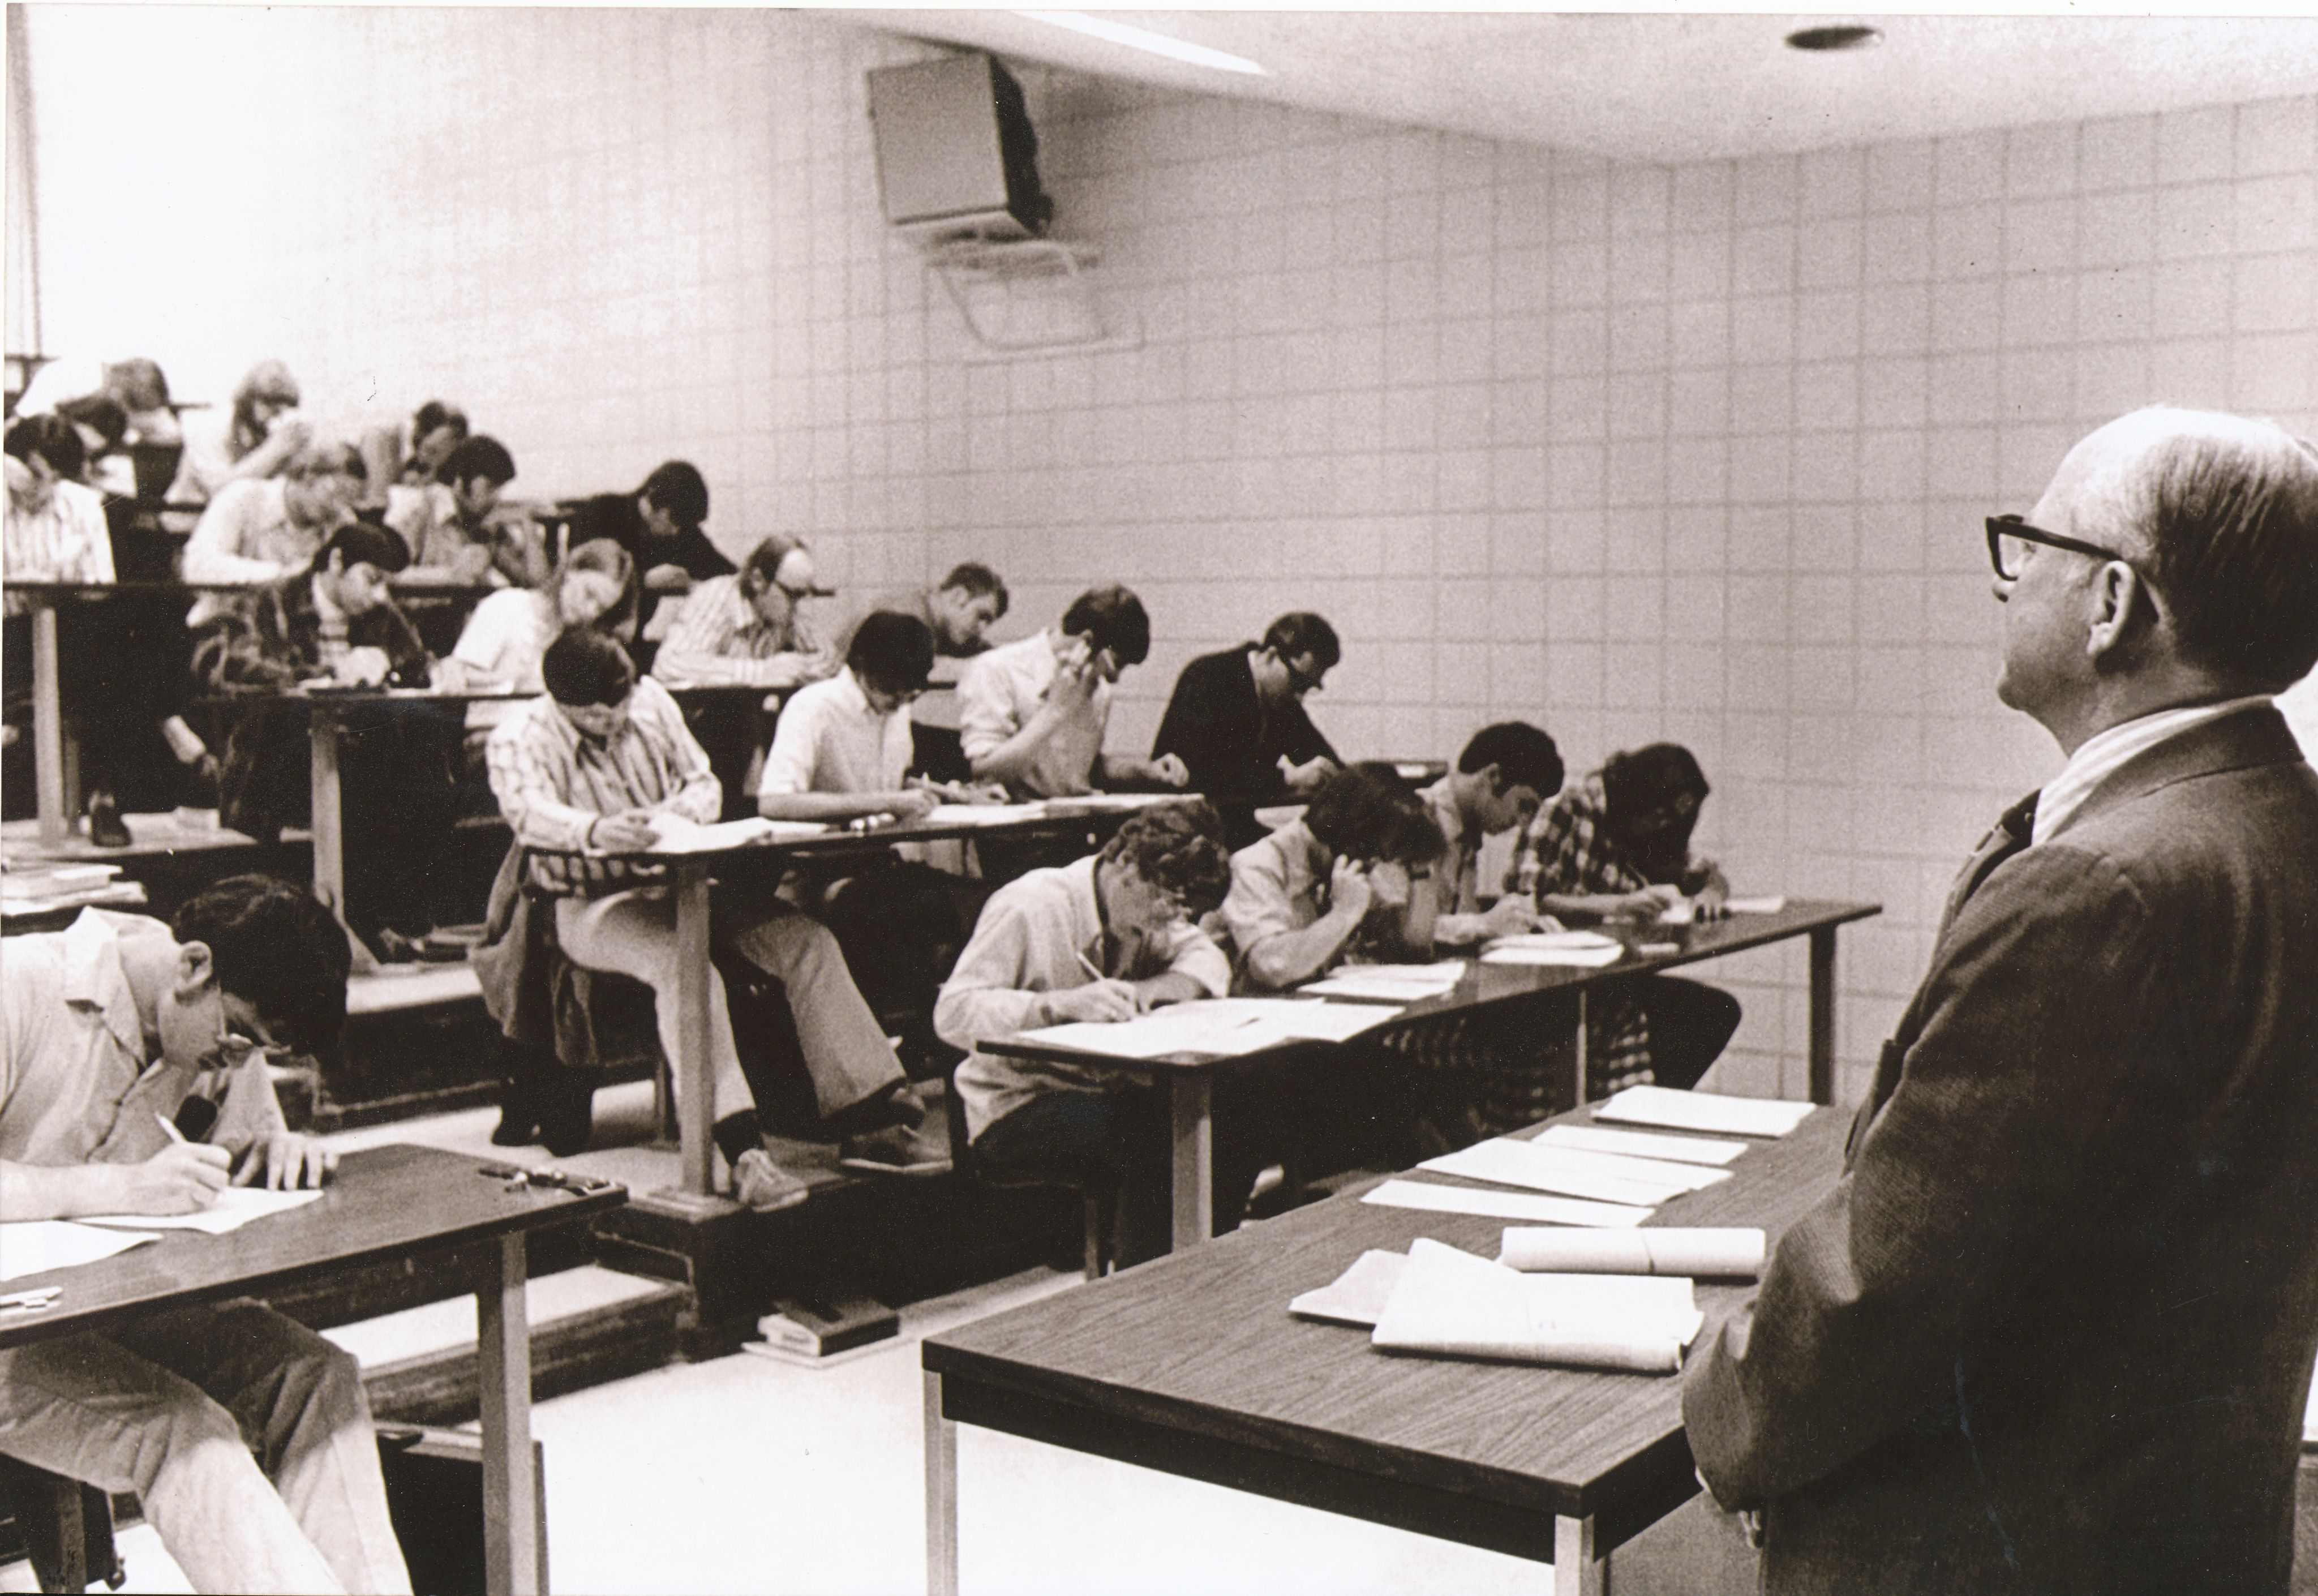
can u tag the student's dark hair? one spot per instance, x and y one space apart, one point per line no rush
1114 617
1365 812
2230 522
1178 846
364 543
52 438
1299 633
977 580
1525 756
276 949
101 414
433 417
1645 779
677 486
584 666
892 652
763 567
137 383
479 456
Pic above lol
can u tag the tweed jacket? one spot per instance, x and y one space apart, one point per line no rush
2052 1330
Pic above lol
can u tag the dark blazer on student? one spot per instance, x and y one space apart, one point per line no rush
1216 726
2053 1329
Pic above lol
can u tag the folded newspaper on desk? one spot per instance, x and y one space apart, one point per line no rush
1446 1302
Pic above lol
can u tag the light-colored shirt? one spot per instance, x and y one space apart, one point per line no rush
720 641
1279 884
1029 941
829 740
205 469
73 1048
1458 876
2099 757
63 541
1000 694
502 644
247 536
552 782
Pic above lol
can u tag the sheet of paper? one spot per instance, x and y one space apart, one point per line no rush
1573 958
32 1246
983 814
1605 1178
1595 1138
1652 1250
1358 1296
1503 1205
1449 1302
236 1206
1704 1111
1389 983
678 835
1224 1027
1554 940
1755 905
1113 803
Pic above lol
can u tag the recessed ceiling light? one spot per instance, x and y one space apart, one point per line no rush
1157 44
1848 36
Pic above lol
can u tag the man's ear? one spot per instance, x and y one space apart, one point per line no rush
1496 778
2116 594
194 971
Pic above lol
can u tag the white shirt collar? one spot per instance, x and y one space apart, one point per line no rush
2099 756
93 976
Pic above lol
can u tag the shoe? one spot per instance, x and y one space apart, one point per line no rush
104 827
515 1129
897 1149
763 1186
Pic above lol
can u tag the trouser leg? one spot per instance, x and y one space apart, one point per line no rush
845 1049
297 1401
634 934
88 1408
1690 1024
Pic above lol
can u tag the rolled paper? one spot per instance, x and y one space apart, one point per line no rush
1562 1251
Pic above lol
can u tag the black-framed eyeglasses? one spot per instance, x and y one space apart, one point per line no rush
2012 529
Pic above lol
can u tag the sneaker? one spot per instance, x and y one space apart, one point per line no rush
897 1149
762 1185
104 827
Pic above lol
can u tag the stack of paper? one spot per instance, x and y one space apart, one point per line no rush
1501 1205
678 835
1224 1027
1390 984
983 814
45 889
1604 1177
1584 950
1704 1111
1754 905
1449 1302
1648 1250
1595 1138
1358 1296
34 1246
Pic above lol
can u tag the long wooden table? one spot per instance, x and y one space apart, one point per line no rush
1190 1076
1192 1365
385 1203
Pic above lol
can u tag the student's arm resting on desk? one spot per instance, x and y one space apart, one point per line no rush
987 994
531 796
182 1178
2029 1099
1167 770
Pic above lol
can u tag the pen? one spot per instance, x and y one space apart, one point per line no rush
170 1126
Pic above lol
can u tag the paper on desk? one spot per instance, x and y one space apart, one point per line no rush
1573 958
1503 1205
678 835
236 1206
983 814
1224 1027
31 1246
1604 1177
1358 1296
1754 905
1114 802
1652 1250
1451 1303
1704 1111
1594 1138
1390 984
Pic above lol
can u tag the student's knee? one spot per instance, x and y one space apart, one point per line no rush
183 1443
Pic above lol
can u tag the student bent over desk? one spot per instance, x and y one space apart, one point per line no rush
115 1026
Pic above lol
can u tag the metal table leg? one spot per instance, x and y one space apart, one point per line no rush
513 1558
1194 1161
49 729
941 1493
1577 1570
1822 1015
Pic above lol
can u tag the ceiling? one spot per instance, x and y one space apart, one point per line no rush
1661 87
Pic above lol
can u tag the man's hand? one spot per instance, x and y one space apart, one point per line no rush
1308 775
1072 689
1350 892
628 832
1098 1000
366 667
668 578
1510 916
914 803
1171 769
289 1161
183 1178
1713 902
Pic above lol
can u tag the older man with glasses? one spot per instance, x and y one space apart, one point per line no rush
133 1076
2052 1328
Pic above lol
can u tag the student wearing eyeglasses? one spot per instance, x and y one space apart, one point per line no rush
116 1029
1236 721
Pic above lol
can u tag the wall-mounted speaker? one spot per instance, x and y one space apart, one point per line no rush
956 156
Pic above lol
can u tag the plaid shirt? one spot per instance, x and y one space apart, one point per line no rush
268 640
720 641
553 783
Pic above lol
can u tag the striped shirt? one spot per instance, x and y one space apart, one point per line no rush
63 541
554 781
720 641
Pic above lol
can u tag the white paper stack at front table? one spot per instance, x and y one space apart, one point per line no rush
1449 1302
1595 1138
1582 950
1704 1111
1652 1250
1604 1177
